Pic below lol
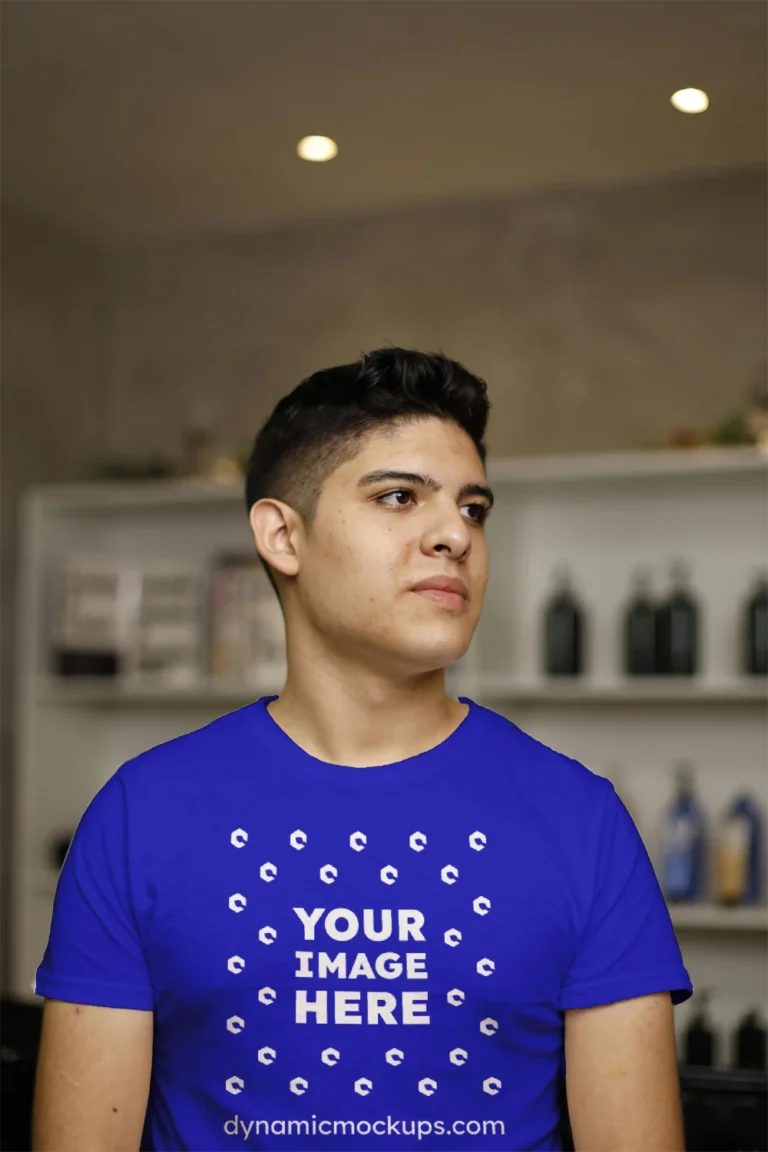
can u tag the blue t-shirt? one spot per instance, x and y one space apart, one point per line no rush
357 958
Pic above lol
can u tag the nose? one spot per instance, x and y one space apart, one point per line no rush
448 534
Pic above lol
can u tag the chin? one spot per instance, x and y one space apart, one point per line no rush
435 651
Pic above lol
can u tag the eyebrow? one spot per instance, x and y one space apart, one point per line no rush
420 481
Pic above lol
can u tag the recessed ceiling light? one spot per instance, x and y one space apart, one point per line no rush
690 100
317 148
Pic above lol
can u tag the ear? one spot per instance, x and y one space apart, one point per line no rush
276 528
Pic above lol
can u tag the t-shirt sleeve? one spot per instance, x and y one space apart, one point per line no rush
94 953
627 947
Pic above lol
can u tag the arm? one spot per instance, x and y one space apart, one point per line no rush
622 1078
92 1080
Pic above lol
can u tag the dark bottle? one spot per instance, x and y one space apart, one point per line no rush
699 1041
749 1043
677 627
756 630
640 628
563 629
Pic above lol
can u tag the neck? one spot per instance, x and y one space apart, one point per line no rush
344 714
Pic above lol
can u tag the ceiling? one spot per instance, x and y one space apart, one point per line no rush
123 120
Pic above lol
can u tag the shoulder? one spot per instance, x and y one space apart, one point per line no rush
193 762
539 769
570 808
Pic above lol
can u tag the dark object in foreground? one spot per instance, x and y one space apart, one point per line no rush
20 1031
724 1109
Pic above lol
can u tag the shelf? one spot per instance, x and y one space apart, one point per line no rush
651 691
651 462
712 918
602 513
130 495
92 691
644 463
490 688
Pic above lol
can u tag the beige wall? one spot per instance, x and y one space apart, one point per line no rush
53 372
599 317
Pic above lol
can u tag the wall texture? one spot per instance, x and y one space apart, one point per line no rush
53 361
599 317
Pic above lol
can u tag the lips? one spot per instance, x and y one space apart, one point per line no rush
445 599
450 584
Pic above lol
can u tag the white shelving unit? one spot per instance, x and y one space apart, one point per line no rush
710 918
602 515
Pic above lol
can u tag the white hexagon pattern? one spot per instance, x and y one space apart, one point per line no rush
358 840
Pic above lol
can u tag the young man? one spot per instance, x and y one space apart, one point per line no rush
361 914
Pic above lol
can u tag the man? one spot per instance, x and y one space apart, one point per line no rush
361 914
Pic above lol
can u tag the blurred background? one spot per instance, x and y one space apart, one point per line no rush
570 198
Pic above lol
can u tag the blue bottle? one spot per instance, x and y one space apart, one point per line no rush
683 854
739 853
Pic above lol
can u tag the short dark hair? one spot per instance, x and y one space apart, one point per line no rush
320 424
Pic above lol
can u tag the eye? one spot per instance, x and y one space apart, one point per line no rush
482 512
478 512
395 492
